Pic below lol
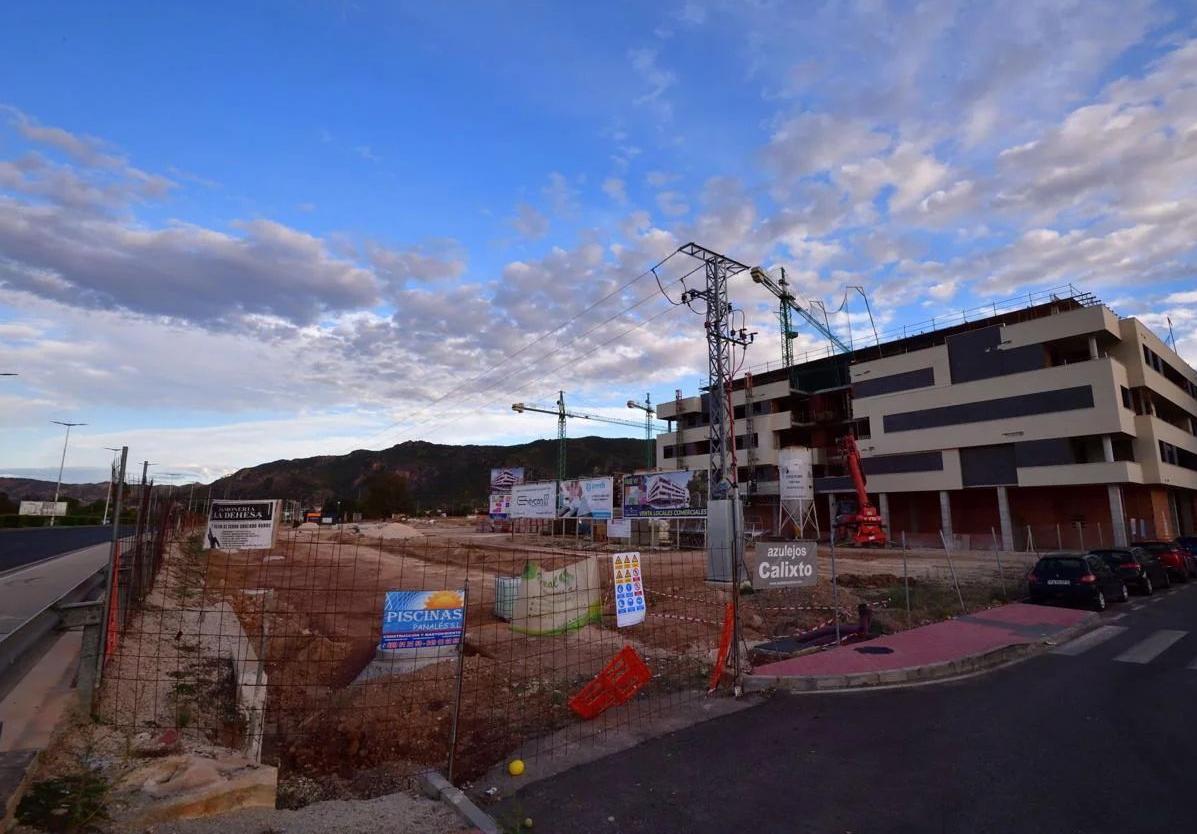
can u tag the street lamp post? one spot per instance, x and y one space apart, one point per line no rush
61 463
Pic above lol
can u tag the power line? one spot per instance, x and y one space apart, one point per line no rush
443 421
535 341
495 382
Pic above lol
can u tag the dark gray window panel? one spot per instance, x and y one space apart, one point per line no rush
897 464
1023 405
836 483
905 381
977 354
988 465
1054 451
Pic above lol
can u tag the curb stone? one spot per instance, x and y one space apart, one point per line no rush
940 671
438 787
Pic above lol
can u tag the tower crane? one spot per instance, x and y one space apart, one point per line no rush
560 412
650 448
787 304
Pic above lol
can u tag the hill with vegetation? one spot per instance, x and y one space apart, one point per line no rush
417 476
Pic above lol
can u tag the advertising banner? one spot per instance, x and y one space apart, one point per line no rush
630 606
534 500
45 508
795 474
557 601
241 525
676 494
502 480
619 528
784 564
418 619
586 498
500 505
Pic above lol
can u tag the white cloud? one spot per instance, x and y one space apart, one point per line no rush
672 203
656 78
529 222
616 189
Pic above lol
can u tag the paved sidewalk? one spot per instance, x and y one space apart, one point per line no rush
950 647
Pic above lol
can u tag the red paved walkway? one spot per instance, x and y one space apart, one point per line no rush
974 634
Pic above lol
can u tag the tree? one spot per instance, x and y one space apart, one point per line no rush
386 493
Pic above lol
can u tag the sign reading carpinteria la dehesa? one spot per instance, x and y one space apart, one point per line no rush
241 525
419 619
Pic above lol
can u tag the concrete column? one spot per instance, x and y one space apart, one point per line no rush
1117 515
1107 449
945 513
1092 347
1004 519
883 508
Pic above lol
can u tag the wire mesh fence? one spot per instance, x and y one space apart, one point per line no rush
284 654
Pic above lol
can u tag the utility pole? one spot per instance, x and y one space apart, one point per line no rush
111 484
61 463
650 450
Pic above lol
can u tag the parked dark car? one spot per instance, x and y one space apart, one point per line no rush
1189 545
1136 567
1075 578
1171 556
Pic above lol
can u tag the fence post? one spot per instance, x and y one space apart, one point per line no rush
114 558
1101 537
948 553
1059 540
835 592
465 601
906 578
997 555
1080 533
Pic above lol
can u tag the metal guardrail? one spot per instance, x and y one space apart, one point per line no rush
18 646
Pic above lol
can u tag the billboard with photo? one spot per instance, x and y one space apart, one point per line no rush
502 480
500 505
534 500
679 493
586 498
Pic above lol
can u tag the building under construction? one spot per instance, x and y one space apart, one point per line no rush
1053 414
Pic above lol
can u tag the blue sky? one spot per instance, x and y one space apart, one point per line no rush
236 232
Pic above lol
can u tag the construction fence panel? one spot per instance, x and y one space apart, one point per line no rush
276 652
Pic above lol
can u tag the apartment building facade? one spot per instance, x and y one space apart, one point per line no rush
1055 415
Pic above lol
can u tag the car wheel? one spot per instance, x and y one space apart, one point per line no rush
1124 595
1100 602
1167 580
1148 588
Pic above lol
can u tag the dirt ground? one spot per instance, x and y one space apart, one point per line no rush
313 605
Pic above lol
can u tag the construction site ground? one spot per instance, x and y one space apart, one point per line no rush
314 604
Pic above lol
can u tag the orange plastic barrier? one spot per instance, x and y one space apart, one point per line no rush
729 622
619 680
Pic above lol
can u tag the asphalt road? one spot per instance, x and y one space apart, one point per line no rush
1097 736
32 544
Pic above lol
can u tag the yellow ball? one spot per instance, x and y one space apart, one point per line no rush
527 822
515 767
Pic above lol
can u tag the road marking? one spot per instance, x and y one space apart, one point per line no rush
1138 606
1117 617
1148 650
1192 665
1087 641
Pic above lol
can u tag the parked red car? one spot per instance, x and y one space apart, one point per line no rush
1174 559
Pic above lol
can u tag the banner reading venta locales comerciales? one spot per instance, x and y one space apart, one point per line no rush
241 525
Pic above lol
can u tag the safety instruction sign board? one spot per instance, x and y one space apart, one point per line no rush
630 606
415 619
241 525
